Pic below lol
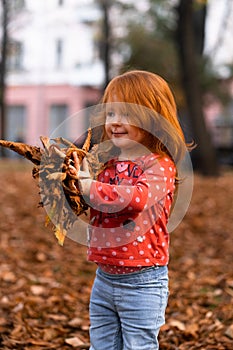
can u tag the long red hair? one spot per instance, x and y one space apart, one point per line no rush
140 89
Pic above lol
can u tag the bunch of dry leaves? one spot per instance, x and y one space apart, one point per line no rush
45 288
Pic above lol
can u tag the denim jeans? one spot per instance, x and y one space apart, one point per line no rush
127 311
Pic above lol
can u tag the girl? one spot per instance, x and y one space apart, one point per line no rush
130 202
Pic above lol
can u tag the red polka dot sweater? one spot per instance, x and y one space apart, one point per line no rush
131 203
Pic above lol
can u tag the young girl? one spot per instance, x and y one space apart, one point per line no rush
130 202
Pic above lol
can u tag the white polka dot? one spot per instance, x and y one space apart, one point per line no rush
147 260
170 168
112 230
137 199
162 169
165 178
141 252
145 222
130 208
128 234
106 220
114 253
107 244
152 231
104 258
131 257
128 190
122 200
149 246
121 262
100 188
157 186
118 239
149 194
137 228
135 243
126 173
163 244
106 173
106 198
124 249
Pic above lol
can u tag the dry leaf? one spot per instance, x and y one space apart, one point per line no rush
75 341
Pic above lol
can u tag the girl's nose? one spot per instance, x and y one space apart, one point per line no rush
117 119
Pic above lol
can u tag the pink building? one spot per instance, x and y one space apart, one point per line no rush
38 110
54 68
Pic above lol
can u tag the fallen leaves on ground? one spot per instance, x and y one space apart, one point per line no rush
45 288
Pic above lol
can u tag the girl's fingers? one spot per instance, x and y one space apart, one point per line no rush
73 170
85 165
76 161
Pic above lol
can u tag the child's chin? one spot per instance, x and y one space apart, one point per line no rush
121 143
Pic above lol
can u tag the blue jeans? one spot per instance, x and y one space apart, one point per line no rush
127 311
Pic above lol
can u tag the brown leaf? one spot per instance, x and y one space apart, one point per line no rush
75 341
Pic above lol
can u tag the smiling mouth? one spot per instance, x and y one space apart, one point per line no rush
119 133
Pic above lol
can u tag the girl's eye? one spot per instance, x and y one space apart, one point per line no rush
110 114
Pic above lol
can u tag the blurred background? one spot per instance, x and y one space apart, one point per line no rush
58 55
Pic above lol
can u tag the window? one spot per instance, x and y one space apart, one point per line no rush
59 53
15 56
57 117
15 125
17 5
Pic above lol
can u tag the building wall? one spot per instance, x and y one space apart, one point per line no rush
54 69
38 101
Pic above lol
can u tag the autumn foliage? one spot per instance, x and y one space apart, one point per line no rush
45 288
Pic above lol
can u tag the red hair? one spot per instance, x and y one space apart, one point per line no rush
145 89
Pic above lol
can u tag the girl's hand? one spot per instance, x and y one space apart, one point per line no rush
83 176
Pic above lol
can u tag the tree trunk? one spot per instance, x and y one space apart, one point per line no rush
105 5
3 69
189 58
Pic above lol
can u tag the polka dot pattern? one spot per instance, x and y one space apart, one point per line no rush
131 206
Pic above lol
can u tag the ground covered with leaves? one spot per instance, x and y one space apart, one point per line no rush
45 288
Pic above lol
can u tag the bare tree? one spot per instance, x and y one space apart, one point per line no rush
190 39
4 41
105 38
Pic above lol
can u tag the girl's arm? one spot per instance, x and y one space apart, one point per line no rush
150 189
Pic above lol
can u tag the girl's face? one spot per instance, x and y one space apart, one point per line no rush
121 133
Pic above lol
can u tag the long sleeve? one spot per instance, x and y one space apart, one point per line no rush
131 187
